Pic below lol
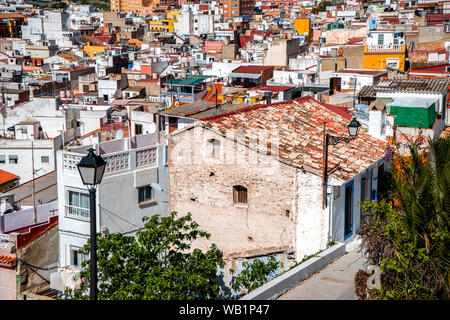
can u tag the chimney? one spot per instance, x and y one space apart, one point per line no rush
268 96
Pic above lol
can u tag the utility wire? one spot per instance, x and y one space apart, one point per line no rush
36 267
112 213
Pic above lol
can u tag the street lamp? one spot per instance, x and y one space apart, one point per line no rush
91 168
353 131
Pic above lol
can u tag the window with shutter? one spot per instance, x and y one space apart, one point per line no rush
239 195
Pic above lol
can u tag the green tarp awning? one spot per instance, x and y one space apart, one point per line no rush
189 81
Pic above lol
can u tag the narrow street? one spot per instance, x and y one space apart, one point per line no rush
334 282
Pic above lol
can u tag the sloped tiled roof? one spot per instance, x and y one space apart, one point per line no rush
405 85
251 69
412 85
69 56
6 176
299 123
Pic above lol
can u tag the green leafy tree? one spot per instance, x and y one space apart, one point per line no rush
408 233
255 274
156 264
322 6
59 5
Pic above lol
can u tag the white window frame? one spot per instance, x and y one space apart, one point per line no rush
146 201
80 257
76 212
13 157
396 61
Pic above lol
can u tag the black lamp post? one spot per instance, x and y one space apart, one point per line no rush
353 131
91 168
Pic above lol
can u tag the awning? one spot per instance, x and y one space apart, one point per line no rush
189 81
245 75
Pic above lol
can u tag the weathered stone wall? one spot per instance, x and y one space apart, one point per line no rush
42 252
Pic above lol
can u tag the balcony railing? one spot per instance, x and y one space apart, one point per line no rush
385 48
77 212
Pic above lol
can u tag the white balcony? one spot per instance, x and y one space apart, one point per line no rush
385 48
77 212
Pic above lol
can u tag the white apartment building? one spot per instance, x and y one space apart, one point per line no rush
25 151
53 117
135 184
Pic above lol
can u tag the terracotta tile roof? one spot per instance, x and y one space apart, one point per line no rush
69 56
433 69
354 40
405 85
90 133
299 123
8 261
11 16
251 69
6 176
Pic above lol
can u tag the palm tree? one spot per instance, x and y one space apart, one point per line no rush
421 186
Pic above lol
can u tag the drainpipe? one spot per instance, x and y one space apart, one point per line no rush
330 218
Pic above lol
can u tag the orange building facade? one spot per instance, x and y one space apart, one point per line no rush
137 6
233 8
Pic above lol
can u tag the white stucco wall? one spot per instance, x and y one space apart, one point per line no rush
52 120
24 152
337 206
431 96
117 200
312 220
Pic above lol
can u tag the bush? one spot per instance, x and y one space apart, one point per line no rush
255 274
408 233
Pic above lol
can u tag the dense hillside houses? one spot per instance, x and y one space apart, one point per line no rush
220 109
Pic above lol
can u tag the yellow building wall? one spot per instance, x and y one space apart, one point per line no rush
377 60
166 24
172 15
91 51
301 25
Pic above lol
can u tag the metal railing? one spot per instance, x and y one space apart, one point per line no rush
77 212
383 47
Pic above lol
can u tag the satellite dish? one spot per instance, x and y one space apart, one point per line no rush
119 134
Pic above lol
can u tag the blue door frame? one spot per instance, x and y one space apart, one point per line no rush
364 175
351 208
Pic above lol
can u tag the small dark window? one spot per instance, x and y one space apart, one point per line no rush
239 195
13 159
145 194
137 129
45 159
